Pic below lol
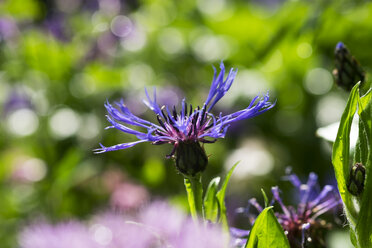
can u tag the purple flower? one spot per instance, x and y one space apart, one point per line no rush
302 224
157 225
187 128
69 234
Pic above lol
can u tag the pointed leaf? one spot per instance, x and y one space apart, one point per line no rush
265 198
221 197
363 155
211 204
267 232
340 155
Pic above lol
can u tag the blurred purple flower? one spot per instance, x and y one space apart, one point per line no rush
157 225
117 231
128 196
8 28
160 225
301 224
63 235
17 99
187 128
55 24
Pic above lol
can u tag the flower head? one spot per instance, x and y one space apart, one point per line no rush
184 129
301 224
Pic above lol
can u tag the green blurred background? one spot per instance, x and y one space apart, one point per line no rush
61 59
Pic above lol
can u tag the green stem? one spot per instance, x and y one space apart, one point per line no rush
194 190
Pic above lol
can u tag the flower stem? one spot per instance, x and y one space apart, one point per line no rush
194 190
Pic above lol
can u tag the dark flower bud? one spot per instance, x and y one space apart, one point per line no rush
190 158
348 71
355 183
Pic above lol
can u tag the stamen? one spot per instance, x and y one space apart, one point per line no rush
159 142
175 128
161 122
203 115
207 141
174 112
194 123
172 152
165 116
190 131
209 126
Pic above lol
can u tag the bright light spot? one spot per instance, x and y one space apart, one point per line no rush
304 50
329 109
135 41
337 239
140 75
318 81
329 132
121 26
171 41
274 62
22 122
64 123
32 170
254 159
101 234
211 7
99 23
90 127
210 48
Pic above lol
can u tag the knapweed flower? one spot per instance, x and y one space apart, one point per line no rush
301 224
186 129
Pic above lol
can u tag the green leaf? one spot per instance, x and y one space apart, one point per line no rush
357 208
211 204
340 155
267 232
221 197
363 155
265 198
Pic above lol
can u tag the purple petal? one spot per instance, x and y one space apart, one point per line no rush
117 147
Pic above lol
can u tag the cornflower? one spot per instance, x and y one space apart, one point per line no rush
301 224
186 129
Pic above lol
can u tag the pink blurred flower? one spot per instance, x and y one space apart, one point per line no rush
157 225
128 196
63 235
